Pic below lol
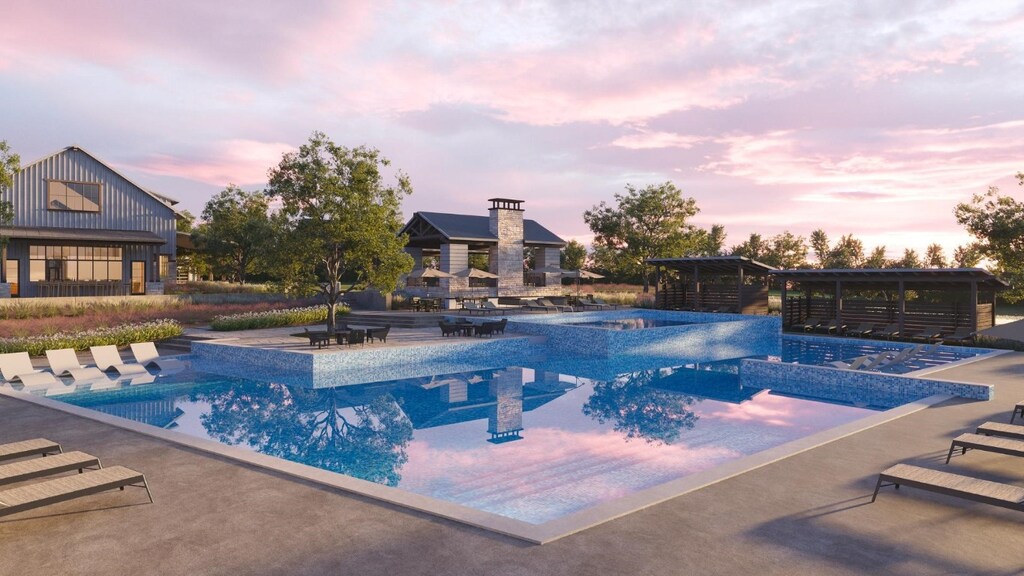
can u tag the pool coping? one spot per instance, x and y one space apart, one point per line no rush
534 533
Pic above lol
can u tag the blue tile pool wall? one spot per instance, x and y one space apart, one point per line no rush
709 336
853 343
349 367
828 382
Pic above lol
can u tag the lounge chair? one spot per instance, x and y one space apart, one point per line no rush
318 339
960 336
145 353
862 331
927 334
17 367
107 358
39 467
808 325
472 307
854 364
832 326
33 447
489 306
889 332
975 489
1000 429
965 442
378 333
901 356
536 305
64 362
28 497
1017 410
877 361
558 307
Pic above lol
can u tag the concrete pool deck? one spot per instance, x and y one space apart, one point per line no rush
806 514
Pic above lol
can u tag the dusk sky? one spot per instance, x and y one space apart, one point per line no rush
871 118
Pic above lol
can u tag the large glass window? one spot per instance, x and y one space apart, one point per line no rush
75 263
75 196
165 267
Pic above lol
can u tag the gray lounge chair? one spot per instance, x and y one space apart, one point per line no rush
145 353
960 336
1000 429
862 331
489 306
557 307
107 358
889 332
536 305
854 364
472 307
1017 410
832 326
975 489
31 496
64 362
39 467
33 447
808 325
965 442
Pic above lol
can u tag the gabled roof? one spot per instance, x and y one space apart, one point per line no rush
467 228
714 264
889 275
164 200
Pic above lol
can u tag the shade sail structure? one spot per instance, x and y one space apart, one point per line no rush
475 273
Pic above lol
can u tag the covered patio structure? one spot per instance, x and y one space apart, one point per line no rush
711 284
912 298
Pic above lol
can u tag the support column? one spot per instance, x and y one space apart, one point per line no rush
838 305
454 259
902 306
739 289
697 305
974 305
785 308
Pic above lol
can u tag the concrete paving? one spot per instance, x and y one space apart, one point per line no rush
807 514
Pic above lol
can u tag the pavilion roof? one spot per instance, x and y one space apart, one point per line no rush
710 265
428 229
894 275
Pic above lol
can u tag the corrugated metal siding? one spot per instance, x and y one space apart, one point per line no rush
123 206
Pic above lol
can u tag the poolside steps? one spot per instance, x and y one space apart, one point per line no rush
180 344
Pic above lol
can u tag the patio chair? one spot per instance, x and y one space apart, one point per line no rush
33 447
889 332
499 327
962 336
64 362
808 325
356 337
485 329
448 329
317 338
39 467
17 367
145 353
1000 429
862 331
31 496
378 333
926 334
107 358
969 441
966 487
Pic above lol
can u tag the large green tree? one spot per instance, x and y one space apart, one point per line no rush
10 164
644 223
848 251
574 256
935 257
236 231
997 223
346 218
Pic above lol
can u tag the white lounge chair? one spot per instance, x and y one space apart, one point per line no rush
17 367
30 496
854 364
64 362
145 353
107 358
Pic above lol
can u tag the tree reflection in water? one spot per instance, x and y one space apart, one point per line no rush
639 410
318 427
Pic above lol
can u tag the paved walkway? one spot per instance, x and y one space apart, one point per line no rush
807 514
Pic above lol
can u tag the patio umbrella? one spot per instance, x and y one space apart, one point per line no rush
429 273
475 273
581 274
552 270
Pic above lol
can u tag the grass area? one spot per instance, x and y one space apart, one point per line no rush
205 287
47 319
273 318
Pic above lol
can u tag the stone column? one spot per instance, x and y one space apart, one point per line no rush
506 259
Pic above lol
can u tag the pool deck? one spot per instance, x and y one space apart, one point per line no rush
807 514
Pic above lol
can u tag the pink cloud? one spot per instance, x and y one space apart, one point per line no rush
241 162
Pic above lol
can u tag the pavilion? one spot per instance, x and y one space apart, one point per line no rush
712 284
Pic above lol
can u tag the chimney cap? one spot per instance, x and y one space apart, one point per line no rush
505 203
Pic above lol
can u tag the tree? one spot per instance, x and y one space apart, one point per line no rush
236 231
966 256
997 223
345 218
574 256
710 242
910 260
847 253
644 223
639 410
877 258
935 257
788 251
10 164
754 248
186 220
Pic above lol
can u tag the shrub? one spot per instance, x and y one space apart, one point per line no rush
118 335
273 318
999 343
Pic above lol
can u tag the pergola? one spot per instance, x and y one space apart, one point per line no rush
714 283
913 298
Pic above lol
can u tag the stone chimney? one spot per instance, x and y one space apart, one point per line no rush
506 259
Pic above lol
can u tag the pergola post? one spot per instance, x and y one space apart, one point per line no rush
696 289
974 305
739 289
902 306
784 307
838 305
657 284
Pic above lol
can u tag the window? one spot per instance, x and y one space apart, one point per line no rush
74 263
165 267
74 196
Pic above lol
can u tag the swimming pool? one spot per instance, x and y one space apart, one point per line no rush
635 323
522 443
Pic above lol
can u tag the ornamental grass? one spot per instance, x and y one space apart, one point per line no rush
81 340
273 318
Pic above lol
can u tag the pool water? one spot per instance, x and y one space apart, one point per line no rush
818 351
637 323
517 442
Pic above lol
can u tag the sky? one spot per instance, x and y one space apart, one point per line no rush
871 118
